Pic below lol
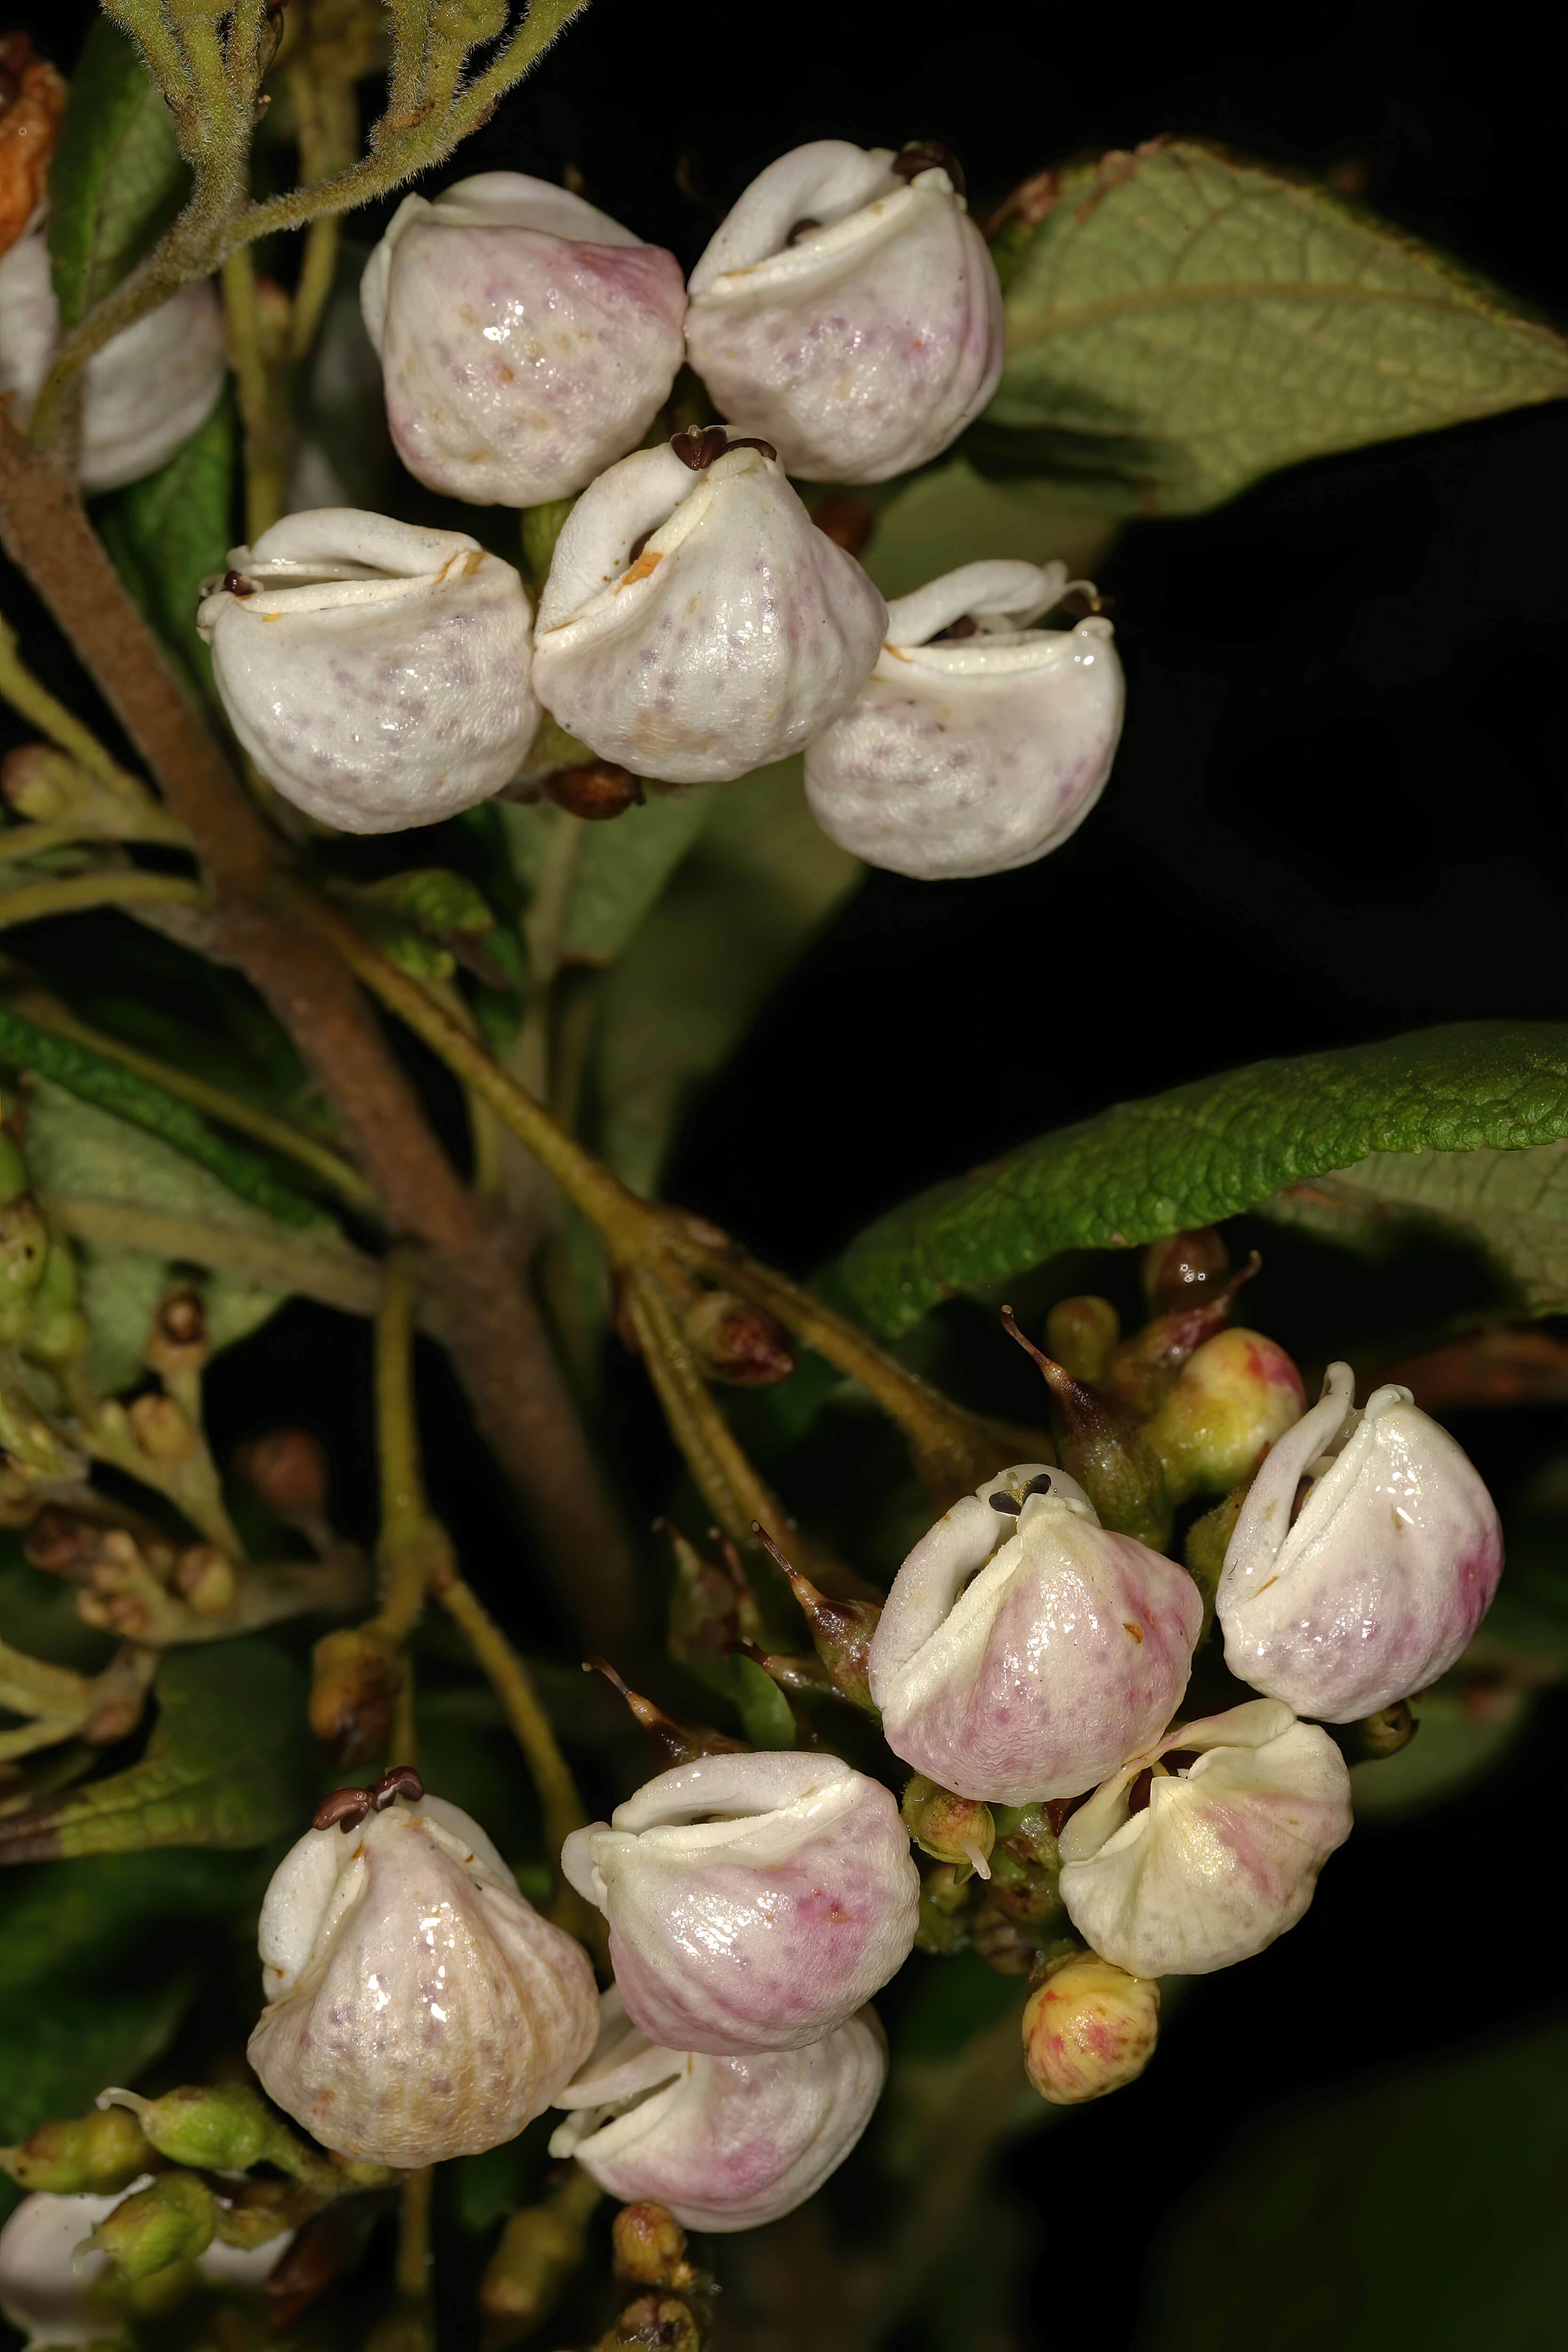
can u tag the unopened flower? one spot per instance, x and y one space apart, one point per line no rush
417 2007
377 673
720 2143
1372 1588
978 743
849 310
143 394
1024 1649
755 1901
1089 2028
1224 1852
526 339
57 2291
695 624
1234 1395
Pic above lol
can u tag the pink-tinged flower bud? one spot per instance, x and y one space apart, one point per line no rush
1234 1395
849 310
695 624
417 2007
56 2289
1225 1852
526 339
377 673
755 1901
978 743
143 394
720 2143
1089 2028
1372 1587
1024 1649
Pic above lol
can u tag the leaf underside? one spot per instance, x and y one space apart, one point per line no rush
1182 323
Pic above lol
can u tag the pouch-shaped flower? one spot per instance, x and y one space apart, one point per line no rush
695 624
978 743
1225 1854
417 2007
143 394
755 1901
1372 1587
527 339
849 310
1024 1649
378 674
722 2143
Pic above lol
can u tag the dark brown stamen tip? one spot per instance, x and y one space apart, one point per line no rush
1040 1484
750 441
928 155
699 447
966 625
802 228
1005 1505
237 584
345 1809
402 1780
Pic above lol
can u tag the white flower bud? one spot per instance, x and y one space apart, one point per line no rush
56 2291
417 2007
1024 1649
849 310
755 1901
526 339
1223 1856
143 394
977 752
720 2143
1375 1585
695 624
378 674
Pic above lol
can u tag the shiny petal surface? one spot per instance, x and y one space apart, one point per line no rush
526 339
143 394
729 2143
435 2013
864 346
1068 1650
1391 1562
379 674
736 632
754 1902
1226 1855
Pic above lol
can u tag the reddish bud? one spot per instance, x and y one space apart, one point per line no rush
1183 1267
287 1470
596 792
736 1342
1144 1366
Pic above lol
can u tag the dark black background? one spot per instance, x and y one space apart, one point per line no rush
1337 813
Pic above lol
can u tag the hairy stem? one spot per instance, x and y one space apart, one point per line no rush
497 1339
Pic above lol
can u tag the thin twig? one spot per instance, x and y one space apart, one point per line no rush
124 886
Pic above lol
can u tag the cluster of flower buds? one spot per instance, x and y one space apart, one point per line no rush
693 623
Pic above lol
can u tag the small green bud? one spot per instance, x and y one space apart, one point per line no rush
540 2250
1376 1735
171 2221
542 527
1208 1541
959 1830
1112 1459
98 2154
1025 1865
214 2129
57 1330
1230 1400
1080 1334
841 1631
944 1924
23 1249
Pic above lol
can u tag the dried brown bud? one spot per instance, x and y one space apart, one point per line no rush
59 1544
661 2322
353 1682
597 794
287 1470
1177 1271
32 107
178 1341
737 1343
680 1743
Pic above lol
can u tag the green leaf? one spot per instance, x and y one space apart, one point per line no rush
78 2039
173 529
619 868
1208 1150
1512 1207
117 179
1457 1747
37 1614
68 1919
950 515
93 1078
1424 2208
741 908
223 1764
1182 323
78 1152
765 1715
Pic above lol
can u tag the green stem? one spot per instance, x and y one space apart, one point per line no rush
23 691
278 1134
264 459
295 1264
120 887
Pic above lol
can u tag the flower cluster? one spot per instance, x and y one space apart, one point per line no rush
695 623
